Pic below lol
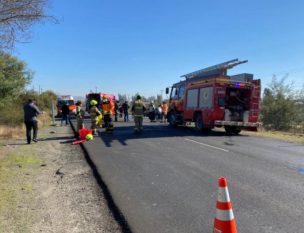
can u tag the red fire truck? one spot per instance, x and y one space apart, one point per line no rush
211 98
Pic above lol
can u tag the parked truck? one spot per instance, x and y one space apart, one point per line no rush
211 98
68 100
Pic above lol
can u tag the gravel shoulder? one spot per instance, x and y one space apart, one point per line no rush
49 187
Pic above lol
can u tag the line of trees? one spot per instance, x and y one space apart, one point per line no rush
14 77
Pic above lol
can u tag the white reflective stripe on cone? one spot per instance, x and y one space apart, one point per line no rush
223 195
224 215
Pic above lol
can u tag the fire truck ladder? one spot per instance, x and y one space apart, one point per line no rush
219 69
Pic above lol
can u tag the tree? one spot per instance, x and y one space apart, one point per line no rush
14 76
278 105
46 99
16 17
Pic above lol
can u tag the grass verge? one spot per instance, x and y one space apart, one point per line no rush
16 188
284 136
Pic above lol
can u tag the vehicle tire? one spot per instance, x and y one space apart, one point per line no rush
232 130
172 118
199 122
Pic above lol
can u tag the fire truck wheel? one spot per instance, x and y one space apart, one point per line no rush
232 130
172 118
198 122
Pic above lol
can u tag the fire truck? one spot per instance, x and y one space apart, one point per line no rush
211 98
98 98
68 100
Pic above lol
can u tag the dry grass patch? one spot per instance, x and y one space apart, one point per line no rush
284 136
18 132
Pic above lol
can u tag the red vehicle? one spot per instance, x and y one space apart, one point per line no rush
98 98
68 100
211 98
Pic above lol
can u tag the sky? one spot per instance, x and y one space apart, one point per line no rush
138 46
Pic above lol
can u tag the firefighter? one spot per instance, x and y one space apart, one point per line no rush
94 113
138 110
79 115
107 110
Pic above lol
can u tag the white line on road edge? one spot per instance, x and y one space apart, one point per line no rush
214 147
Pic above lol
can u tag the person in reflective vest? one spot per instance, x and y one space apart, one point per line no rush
107 110
138 110
79 115
164 108
94 113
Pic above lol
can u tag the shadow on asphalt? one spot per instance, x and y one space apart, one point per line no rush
124 133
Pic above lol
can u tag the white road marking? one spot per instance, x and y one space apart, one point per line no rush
207 145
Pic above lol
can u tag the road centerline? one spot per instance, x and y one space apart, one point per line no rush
207 145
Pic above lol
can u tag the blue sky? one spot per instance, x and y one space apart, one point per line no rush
120 46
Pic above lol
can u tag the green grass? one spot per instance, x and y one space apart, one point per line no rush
16 188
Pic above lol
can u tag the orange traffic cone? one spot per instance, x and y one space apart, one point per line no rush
224 221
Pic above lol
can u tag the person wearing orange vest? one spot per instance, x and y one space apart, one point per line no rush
164 108
107 110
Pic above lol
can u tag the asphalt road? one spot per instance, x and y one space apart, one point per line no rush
165 179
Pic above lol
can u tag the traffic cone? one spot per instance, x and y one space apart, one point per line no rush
224 221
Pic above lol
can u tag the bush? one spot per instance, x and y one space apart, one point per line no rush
12 111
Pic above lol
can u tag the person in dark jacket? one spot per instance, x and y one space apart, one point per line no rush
125 109
65 111
116 110
31 112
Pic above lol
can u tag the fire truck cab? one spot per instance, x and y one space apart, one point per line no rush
211 98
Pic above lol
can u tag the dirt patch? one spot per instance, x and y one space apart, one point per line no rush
49 187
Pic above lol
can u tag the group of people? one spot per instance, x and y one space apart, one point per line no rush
109 107
158 113
97 112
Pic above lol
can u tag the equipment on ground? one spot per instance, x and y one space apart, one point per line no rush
211 98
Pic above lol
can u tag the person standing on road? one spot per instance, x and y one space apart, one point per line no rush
94 113
31 112
116 110
107 110
138 110
151 111
65 111
164 107
79 115
125 109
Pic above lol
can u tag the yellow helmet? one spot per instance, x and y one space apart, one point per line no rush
89 137
93 102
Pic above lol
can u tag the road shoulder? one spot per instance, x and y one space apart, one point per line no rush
49 187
